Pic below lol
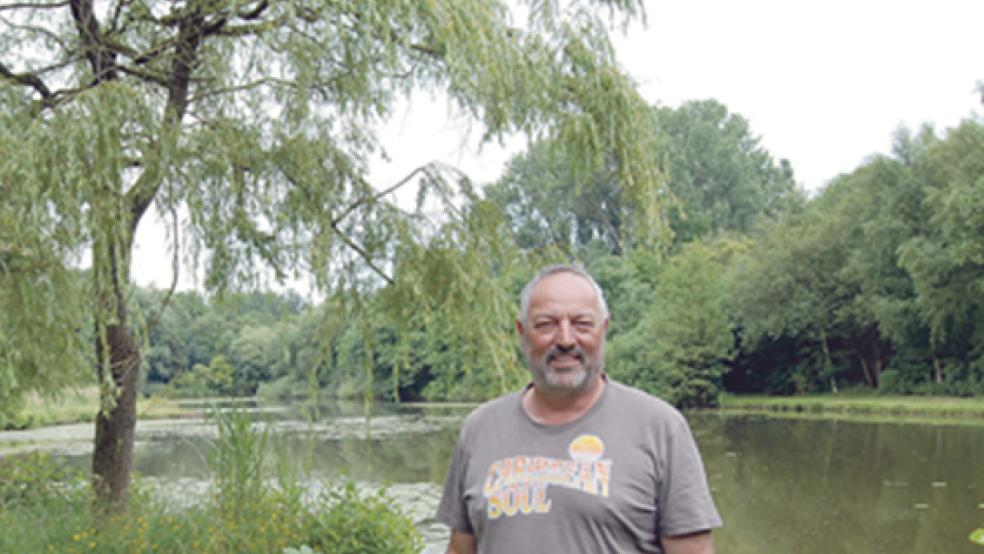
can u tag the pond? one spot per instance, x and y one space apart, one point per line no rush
782 485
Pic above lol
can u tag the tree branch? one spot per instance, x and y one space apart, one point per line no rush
154 52
27 79
101 59
57 65
189 38
256 12
174 276
250 29
362 253
376 197
33 5
117 13
47 33
237 88
145 75
345 238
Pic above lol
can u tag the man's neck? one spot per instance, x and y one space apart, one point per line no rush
561 408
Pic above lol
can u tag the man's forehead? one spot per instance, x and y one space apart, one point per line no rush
566 288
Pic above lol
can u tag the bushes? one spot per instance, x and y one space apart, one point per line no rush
33 478
364 524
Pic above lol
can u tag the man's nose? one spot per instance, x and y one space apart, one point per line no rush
565 335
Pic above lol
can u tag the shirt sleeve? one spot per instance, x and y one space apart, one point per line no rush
685 499
453 510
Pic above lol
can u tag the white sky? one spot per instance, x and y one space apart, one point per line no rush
824 84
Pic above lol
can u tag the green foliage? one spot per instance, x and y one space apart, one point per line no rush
864 285
238 459
249 126
358 523
47 508
880 277
721 176
717 178
548 207
682 344
33 478
464 336
947 261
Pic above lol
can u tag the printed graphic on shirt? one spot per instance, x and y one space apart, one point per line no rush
518 484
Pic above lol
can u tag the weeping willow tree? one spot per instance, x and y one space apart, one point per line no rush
249 123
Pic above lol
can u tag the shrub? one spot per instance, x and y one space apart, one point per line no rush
355 523
34 477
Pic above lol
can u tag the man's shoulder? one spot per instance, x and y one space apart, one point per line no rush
641 404
495 410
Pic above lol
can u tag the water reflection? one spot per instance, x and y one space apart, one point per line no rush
837 487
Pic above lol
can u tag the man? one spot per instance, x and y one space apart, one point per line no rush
575 462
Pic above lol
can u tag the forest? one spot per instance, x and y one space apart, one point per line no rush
744 283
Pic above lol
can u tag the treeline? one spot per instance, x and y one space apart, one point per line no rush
732 279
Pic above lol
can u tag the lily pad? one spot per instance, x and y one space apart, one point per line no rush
977 536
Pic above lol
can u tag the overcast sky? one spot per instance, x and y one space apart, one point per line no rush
824 84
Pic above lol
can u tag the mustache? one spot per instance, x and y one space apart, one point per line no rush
557 351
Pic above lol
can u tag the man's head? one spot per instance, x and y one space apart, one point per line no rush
562 323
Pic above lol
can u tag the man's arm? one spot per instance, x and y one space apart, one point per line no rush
694 543
461 543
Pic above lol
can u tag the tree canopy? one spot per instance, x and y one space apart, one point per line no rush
718 178
249 124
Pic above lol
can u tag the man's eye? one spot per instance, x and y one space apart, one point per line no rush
544 325
584 324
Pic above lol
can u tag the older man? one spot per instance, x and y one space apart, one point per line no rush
575 462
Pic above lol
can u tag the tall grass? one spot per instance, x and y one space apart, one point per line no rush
253 507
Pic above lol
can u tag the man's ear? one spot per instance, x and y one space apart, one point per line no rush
519 327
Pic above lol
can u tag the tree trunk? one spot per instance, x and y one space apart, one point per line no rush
118 353
938 371
866 371
829 364
112 456
874 353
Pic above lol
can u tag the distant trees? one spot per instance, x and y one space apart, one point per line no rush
671 333
682 344
880 281
719 173
876 282
718 178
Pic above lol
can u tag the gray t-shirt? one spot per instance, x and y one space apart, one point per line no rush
613 480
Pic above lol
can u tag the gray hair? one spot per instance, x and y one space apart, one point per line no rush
524 297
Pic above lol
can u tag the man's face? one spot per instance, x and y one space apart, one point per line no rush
563 338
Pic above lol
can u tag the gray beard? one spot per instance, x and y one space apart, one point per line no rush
572 380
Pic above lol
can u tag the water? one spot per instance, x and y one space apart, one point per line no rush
782 486
840 487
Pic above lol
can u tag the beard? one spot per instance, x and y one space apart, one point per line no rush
563 380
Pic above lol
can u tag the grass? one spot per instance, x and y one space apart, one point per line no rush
857 404
81 406
250 509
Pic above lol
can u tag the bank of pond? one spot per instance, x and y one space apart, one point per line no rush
81 405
